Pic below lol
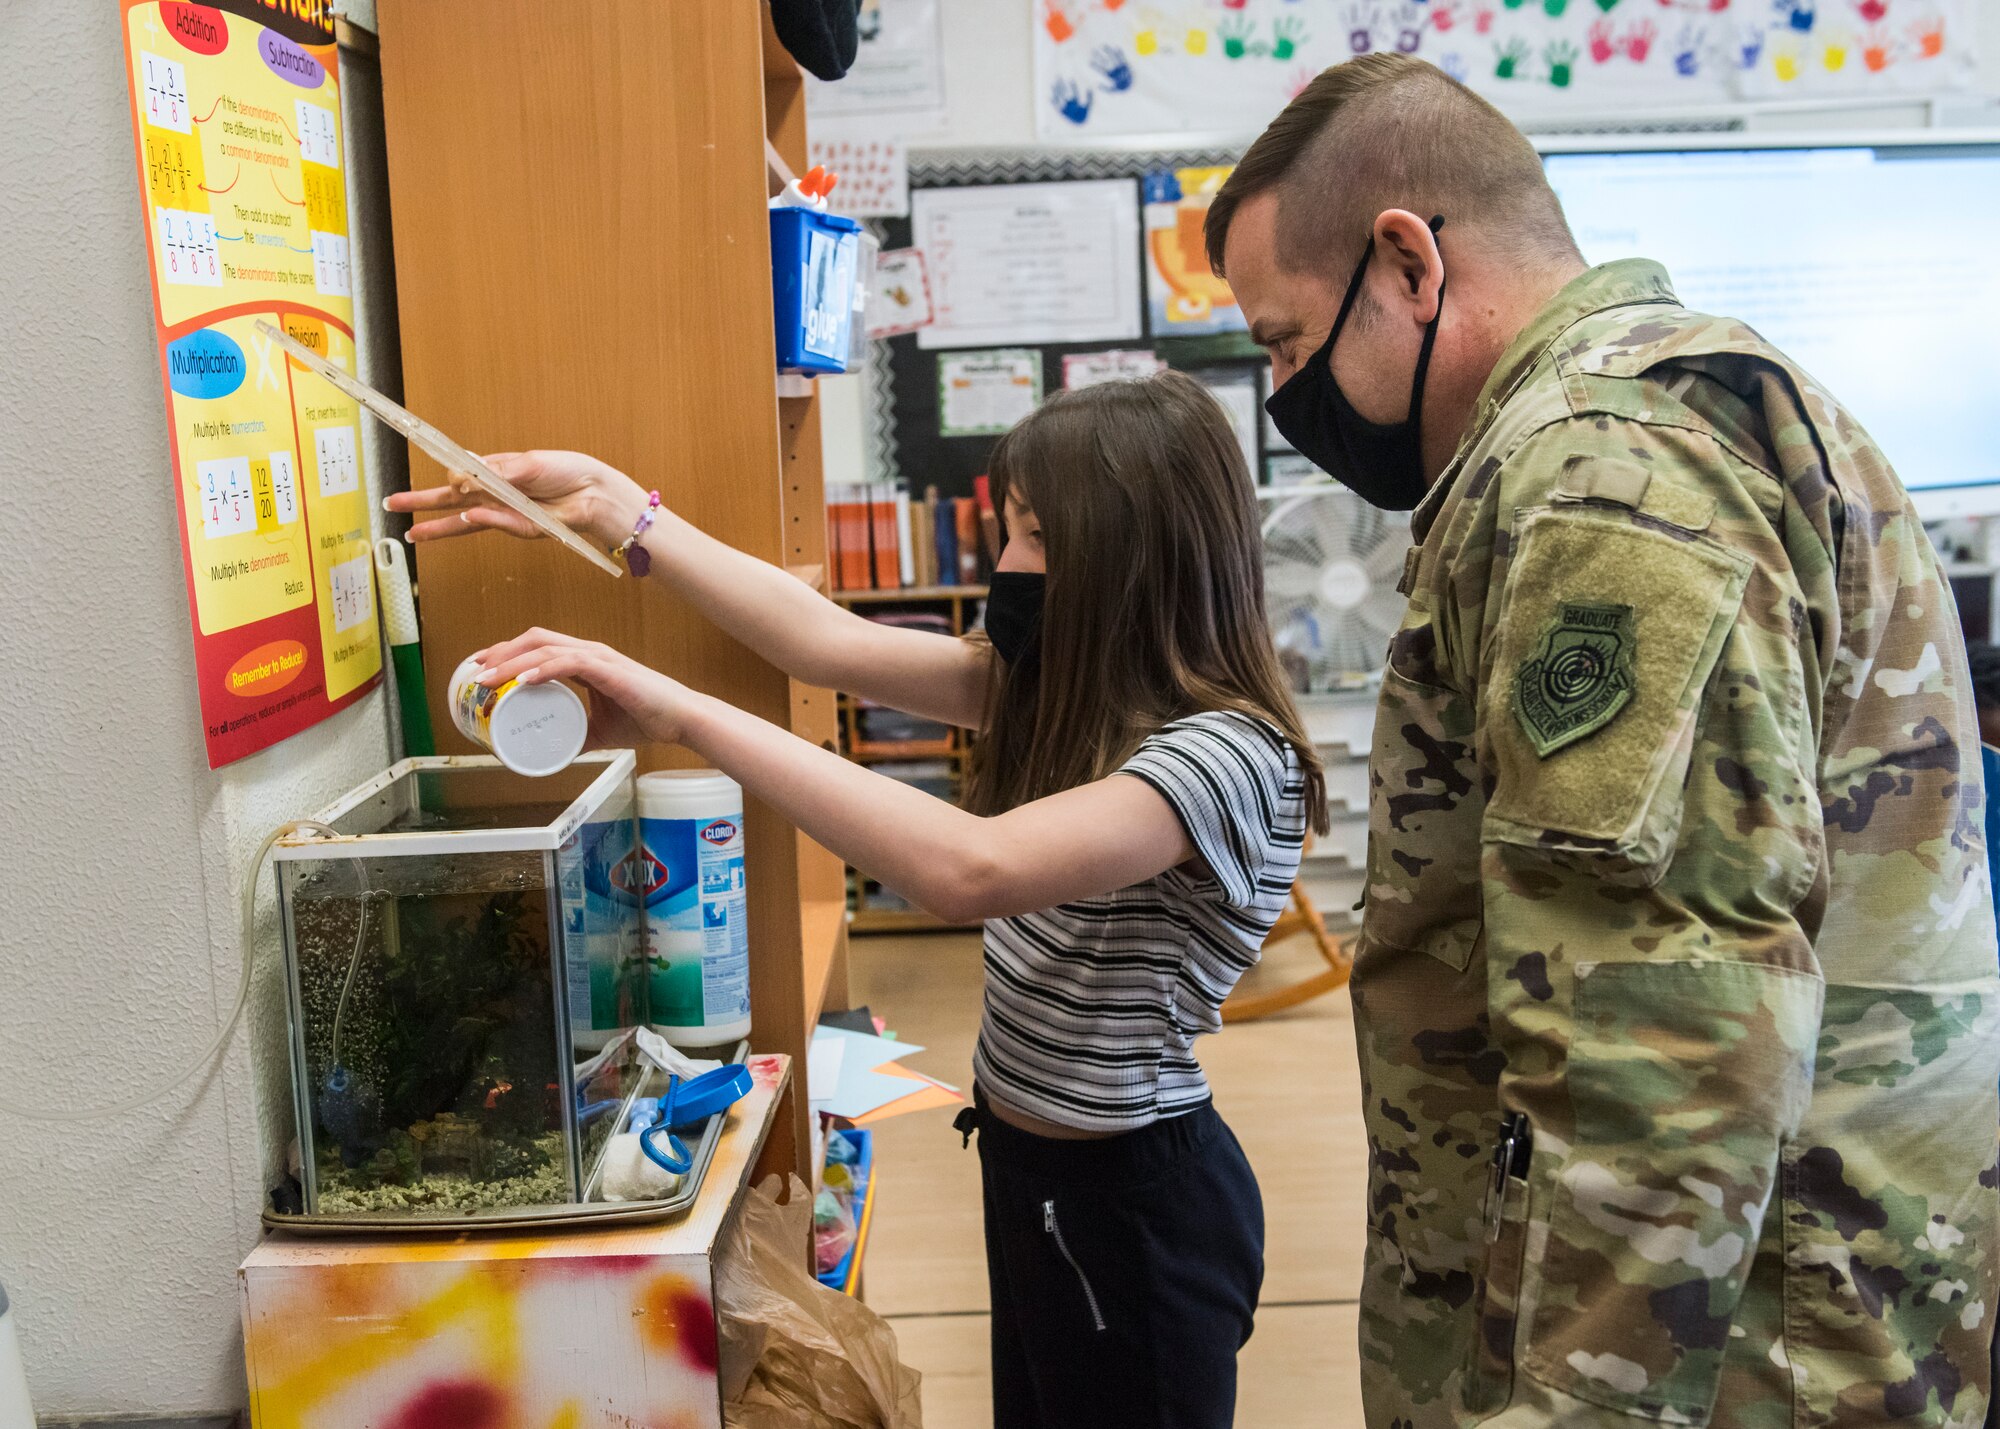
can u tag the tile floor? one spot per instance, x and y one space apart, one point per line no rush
1288 1087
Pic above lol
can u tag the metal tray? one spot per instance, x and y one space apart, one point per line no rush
520 1218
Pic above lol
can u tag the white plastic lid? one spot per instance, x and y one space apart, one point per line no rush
689 794
539 729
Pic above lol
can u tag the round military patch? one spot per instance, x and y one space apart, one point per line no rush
1579 678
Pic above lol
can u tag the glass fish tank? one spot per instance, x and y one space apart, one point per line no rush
465 965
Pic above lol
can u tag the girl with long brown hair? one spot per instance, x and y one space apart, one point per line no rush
1140 793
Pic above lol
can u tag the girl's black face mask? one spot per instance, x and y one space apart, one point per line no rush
1014 617
1381 462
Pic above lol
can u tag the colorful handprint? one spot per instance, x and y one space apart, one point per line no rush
1876 53
1749 47
1872 12
1361 22
1928 36
1454 65
1056 20
1507 58
1833 54
1560 57
1687 51
1071 101
1602 43
1638 41
1482 20
1109 61
1607 6
1235 33
1554 8
1409 29
1195 42
1286 37
1785 64
1798 15
1444 14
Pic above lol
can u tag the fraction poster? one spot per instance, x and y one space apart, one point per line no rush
236 126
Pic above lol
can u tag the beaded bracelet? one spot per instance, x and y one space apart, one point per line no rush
637 559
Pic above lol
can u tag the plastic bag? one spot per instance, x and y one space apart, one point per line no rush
794 1354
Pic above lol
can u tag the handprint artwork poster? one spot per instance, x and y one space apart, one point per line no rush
1184 298
1221 68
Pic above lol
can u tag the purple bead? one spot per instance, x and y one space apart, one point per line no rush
638 559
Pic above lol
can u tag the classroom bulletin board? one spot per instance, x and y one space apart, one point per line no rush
237 135
928 427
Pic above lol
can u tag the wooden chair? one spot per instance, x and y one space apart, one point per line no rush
1301 915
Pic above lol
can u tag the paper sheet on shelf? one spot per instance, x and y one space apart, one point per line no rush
823 1064
865 1053
928 1094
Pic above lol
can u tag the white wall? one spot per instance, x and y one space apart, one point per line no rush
120 852
989 94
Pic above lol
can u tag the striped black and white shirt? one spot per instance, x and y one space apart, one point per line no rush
1092 1008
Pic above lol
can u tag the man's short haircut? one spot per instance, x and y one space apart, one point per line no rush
1391 131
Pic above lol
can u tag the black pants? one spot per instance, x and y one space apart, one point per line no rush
1124 1273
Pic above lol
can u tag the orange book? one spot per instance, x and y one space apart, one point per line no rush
832 508
853 520
882 530
965 516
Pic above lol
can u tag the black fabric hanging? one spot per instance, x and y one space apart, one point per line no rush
821 34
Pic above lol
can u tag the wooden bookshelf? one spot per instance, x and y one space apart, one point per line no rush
957 603
583 260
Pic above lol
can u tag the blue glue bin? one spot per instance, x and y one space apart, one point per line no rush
815 267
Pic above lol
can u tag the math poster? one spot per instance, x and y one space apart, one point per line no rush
236 126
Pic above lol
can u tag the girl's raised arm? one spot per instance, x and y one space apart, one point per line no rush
794 627
1080 843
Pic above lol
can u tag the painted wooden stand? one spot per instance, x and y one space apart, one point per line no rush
571 1330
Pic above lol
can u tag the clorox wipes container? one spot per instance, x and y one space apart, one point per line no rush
697 910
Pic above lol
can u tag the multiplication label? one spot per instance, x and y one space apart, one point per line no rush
228 497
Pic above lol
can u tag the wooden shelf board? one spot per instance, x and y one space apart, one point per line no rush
821 923
903 920
778 61
914 592
814 576
881 752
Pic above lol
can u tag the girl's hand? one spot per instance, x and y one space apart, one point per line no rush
630 704
597 500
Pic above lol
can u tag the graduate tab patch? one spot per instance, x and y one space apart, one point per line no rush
1579 678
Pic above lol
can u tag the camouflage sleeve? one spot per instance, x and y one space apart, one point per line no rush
1651 829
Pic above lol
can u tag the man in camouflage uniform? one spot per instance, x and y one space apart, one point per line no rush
1675 991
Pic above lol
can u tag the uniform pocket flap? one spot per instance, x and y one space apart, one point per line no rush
1608 632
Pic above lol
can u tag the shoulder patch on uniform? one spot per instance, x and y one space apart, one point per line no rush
1579 676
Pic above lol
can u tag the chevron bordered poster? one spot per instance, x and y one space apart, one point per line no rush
237 133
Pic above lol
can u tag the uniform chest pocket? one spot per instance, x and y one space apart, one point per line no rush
1424 805
1609 630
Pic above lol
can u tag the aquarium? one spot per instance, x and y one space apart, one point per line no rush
465 963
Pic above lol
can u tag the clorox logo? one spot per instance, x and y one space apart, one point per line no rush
719 832
641 875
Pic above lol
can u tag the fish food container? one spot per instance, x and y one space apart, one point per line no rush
464 966
532 729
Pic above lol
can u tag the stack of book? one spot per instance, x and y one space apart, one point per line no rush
878 538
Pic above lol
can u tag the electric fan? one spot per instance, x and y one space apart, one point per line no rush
1331 562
